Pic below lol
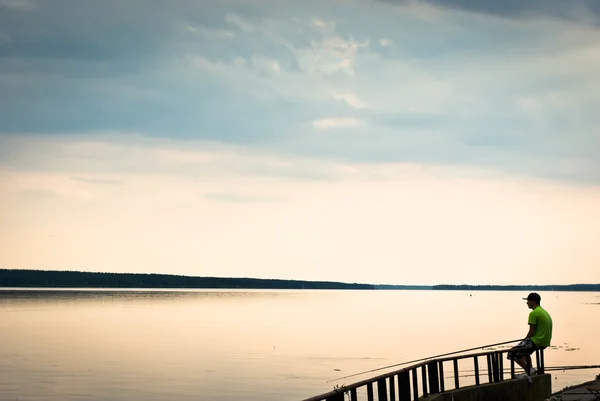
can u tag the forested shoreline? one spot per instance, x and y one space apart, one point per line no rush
76 279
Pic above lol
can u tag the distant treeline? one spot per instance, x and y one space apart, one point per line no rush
70 279
531 288
45 278
402 287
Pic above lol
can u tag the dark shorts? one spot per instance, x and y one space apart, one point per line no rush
523 349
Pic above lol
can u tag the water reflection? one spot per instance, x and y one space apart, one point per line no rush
49 297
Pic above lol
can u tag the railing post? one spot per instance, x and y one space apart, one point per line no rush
537 359
415 384
434 380
353 395
542 366
424 379
512 369
495 367
370 396
441 370
476 367
500 366
392 389
489 366
456 381
381 390
404 386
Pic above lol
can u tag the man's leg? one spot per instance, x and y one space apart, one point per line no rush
526 364
529 366
523 363
525 360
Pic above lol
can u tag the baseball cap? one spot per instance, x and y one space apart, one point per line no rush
534 297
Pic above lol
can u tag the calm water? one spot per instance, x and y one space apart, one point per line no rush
257 345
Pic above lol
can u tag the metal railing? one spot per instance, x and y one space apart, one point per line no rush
427 378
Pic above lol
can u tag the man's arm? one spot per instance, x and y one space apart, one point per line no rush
531 332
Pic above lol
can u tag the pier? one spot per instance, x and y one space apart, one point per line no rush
427 380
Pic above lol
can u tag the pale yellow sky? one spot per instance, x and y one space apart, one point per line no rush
194 208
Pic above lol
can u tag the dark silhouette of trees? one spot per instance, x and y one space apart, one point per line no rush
45 278
70 279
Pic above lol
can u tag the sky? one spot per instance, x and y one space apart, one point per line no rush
375 141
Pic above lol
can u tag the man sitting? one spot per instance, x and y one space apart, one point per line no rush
538 336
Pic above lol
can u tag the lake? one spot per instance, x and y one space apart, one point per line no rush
139 345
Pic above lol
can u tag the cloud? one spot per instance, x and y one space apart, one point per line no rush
17 4
514 93
329 123
351 99
332 55
121 153
241 23
97 181
211 34
578 10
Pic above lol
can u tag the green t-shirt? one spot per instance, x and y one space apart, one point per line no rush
543 326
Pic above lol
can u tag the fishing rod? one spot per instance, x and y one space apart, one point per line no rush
554 368
547 369
424 359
